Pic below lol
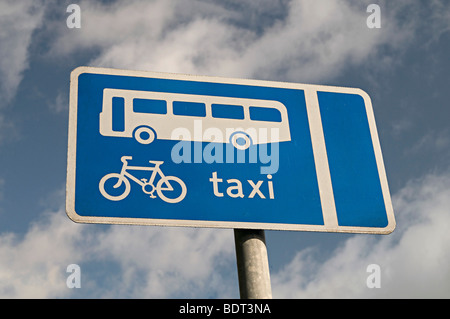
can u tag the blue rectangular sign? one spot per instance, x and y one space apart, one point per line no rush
166 149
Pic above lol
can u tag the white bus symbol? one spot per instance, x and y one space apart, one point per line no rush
147 116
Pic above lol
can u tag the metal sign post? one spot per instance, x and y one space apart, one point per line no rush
252 264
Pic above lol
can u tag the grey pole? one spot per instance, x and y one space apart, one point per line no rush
252 264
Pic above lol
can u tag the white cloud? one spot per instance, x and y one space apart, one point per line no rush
34 266
295 41
162 262
313 41
152 262
61 103
413 259
18 20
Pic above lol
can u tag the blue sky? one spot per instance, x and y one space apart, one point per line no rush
403 66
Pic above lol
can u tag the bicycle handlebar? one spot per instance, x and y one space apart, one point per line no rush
125 158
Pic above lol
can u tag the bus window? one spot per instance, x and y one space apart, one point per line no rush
189 108
118 111
226 111
265 114
149 106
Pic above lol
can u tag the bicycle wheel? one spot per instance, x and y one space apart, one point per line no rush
165 192
115 180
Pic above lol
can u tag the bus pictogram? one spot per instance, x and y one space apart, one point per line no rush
148 116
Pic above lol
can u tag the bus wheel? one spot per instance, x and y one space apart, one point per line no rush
241 140
144 135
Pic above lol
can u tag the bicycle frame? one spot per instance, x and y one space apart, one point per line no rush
155 170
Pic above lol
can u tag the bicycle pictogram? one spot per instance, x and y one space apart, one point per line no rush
167 187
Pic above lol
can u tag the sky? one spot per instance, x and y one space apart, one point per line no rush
403 66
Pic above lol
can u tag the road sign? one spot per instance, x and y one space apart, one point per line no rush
179 150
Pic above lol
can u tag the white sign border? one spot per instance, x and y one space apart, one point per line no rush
317 139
